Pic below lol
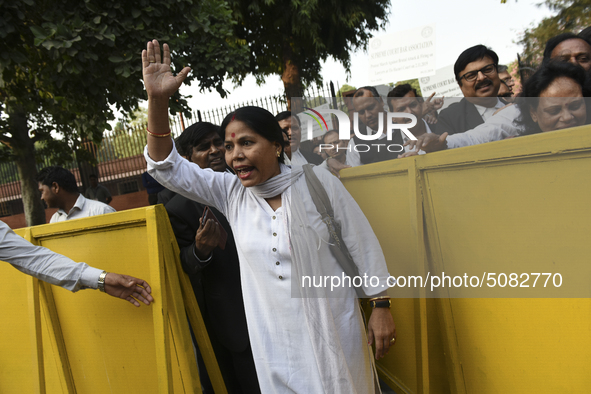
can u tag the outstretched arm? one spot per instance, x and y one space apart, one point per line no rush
160 84
59 270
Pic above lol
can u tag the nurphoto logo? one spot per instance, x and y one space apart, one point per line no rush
345 128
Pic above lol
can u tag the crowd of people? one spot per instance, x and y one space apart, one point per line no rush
490 109
303 341
246 214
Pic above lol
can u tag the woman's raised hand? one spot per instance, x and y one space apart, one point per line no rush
158 80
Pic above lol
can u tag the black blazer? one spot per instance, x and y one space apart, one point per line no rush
216 283
458 117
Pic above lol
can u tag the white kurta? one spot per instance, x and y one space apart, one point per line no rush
281 347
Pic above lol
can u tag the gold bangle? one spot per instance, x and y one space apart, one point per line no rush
101 281
158 135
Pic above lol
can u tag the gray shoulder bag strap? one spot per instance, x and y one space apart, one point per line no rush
338 248
324 208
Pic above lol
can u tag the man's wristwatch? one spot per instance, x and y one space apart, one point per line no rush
101 281
380 303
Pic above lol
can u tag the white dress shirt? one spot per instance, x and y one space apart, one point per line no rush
353 158
495 128
44 264
298 159
487 112
83 208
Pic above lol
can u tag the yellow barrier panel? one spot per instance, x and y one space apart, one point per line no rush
58 342
518 205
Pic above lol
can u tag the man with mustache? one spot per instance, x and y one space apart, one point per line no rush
565 47
291 125
476 73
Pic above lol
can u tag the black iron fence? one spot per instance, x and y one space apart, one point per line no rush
119 157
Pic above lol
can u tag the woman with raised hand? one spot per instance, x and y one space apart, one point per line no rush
305 338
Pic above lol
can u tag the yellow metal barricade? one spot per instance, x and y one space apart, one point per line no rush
54 341
519 205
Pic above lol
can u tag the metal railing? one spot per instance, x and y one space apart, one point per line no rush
119 157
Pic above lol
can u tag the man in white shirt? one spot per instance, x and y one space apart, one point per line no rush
59 270
476 73
59 190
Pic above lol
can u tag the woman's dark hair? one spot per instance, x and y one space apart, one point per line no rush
538 82
473 54
192 135
64 178
260 121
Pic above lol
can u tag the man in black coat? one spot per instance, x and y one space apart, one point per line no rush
476 73
214 273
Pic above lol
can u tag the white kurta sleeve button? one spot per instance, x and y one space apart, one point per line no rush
280 277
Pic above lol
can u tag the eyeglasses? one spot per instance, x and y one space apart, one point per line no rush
508 80
486 70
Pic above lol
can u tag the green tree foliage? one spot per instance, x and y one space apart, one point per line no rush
571 16
63 65
291 37
344 89
123 142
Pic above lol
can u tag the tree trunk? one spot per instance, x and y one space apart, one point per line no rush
85 168
291 77
24 151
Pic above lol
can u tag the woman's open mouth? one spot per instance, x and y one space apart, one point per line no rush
244 172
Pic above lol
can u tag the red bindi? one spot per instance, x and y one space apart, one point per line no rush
233 135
